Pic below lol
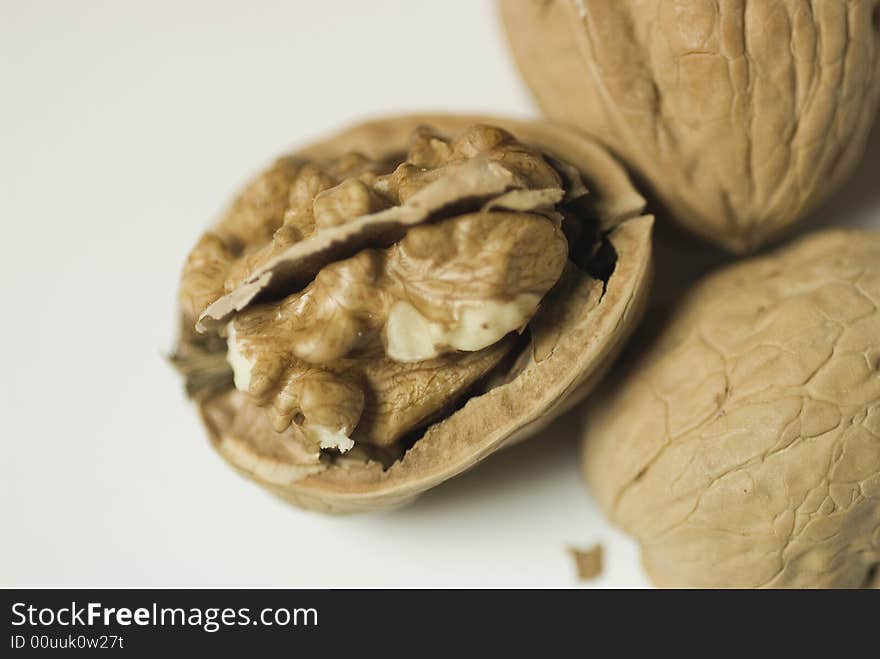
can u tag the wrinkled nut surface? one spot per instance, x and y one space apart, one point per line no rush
741 116
381 310
742 448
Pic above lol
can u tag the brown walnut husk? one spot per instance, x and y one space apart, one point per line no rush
578 329
741 448
742 117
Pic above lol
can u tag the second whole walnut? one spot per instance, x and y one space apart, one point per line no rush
740 444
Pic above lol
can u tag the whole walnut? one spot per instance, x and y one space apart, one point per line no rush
379 311
740 116
741 445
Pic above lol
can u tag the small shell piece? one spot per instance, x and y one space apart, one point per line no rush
742 447
741 116
588 562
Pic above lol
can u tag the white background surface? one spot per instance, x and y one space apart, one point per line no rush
126 126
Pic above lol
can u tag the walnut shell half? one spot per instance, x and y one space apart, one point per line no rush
741 116
742 446
413 209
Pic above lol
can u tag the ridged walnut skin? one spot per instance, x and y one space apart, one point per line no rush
740 116
577 340
742 447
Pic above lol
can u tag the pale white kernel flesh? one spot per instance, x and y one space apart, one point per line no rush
410 337
241 365
329 438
